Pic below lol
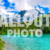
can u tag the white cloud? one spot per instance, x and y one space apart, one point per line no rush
29 4
4 11
43 3
21 5
25 5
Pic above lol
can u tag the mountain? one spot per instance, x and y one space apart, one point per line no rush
21 13
31 12
24 14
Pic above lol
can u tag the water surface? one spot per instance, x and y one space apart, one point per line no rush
28 43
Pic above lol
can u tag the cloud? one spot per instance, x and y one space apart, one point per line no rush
18 5
43 3
29 4
5 7
4 11
21 5
1 3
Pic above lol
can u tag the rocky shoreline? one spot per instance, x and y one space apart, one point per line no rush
4 47
2 44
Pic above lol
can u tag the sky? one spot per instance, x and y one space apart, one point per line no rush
15 6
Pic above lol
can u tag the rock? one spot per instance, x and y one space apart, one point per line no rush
3 42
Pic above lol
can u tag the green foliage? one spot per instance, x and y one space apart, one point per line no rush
1 48
3 29
1 45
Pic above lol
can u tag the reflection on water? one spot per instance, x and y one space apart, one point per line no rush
28 43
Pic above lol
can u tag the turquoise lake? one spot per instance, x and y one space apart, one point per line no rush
27 43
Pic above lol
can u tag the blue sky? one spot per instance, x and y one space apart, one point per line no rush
7 5
15 6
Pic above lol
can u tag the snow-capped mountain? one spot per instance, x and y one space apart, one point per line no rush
33 11
26 14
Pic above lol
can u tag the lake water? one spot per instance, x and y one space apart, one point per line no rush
28 43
